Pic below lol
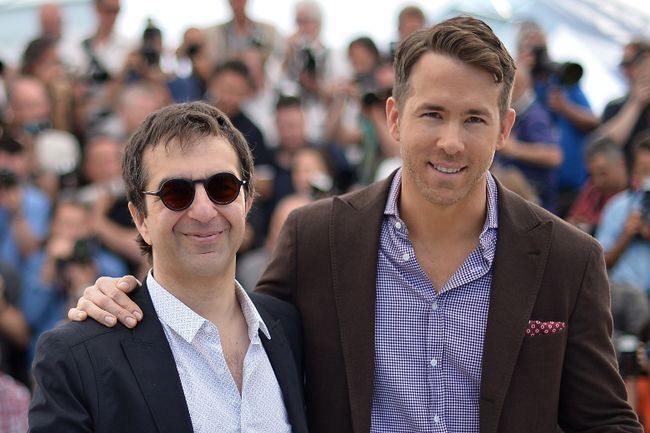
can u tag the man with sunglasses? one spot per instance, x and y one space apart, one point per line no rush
207 356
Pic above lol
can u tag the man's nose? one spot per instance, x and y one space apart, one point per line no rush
451 138
202 208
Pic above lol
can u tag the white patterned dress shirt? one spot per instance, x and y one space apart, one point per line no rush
213 399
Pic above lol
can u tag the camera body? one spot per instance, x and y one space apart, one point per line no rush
308 61
564 74
83 254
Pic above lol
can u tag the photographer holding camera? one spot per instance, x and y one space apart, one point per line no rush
70 259
193 68
557 86
624 229
24 209
97 60
625 117
357 115
307 58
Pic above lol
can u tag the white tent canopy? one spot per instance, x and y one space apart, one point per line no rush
590 32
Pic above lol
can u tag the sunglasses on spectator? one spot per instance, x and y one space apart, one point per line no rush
178 194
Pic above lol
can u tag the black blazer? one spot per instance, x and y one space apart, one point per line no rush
93 378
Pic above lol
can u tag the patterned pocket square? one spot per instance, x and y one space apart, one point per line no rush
537 327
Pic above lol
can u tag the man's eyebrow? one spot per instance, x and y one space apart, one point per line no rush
431 107
436 107
478 112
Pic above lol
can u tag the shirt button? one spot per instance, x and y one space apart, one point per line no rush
398 225
436 419
434 363
406 257
434 306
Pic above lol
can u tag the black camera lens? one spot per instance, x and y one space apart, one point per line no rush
193 50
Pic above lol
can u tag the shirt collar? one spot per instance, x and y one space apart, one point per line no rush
491 220
187 323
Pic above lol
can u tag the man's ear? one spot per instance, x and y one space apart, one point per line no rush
249 202
392 118
507 122
140 223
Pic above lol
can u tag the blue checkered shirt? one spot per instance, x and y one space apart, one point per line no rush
428 345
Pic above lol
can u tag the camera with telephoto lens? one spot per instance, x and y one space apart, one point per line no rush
83 253
375 97
193 49
565 74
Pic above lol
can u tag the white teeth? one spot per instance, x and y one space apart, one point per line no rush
446 170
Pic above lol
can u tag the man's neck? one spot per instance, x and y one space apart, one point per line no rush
428 222
211 298
241 24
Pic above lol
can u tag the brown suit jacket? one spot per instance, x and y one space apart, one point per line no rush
326 262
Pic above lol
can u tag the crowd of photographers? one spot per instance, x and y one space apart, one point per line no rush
316 124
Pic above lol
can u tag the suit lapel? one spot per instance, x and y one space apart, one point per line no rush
153 366
354 231
522 248
280 356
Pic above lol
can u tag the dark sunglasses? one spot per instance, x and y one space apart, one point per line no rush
178 194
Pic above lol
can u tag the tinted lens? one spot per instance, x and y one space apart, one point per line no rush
177 194
223 188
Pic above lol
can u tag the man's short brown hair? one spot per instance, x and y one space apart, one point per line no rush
178 125
467 39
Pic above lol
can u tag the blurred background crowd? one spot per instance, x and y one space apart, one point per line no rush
314 118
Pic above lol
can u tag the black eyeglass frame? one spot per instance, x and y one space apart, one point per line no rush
193 182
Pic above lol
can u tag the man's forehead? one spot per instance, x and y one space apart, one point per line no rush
426 77
220 155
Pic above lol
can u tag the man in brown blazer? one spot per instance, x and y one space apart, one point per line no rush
437 300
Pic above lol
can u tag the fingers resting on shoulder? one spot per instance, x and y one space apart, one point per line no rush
107 302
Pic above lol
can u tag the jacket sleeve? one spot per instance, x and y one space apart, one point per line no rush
60 402
592 394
